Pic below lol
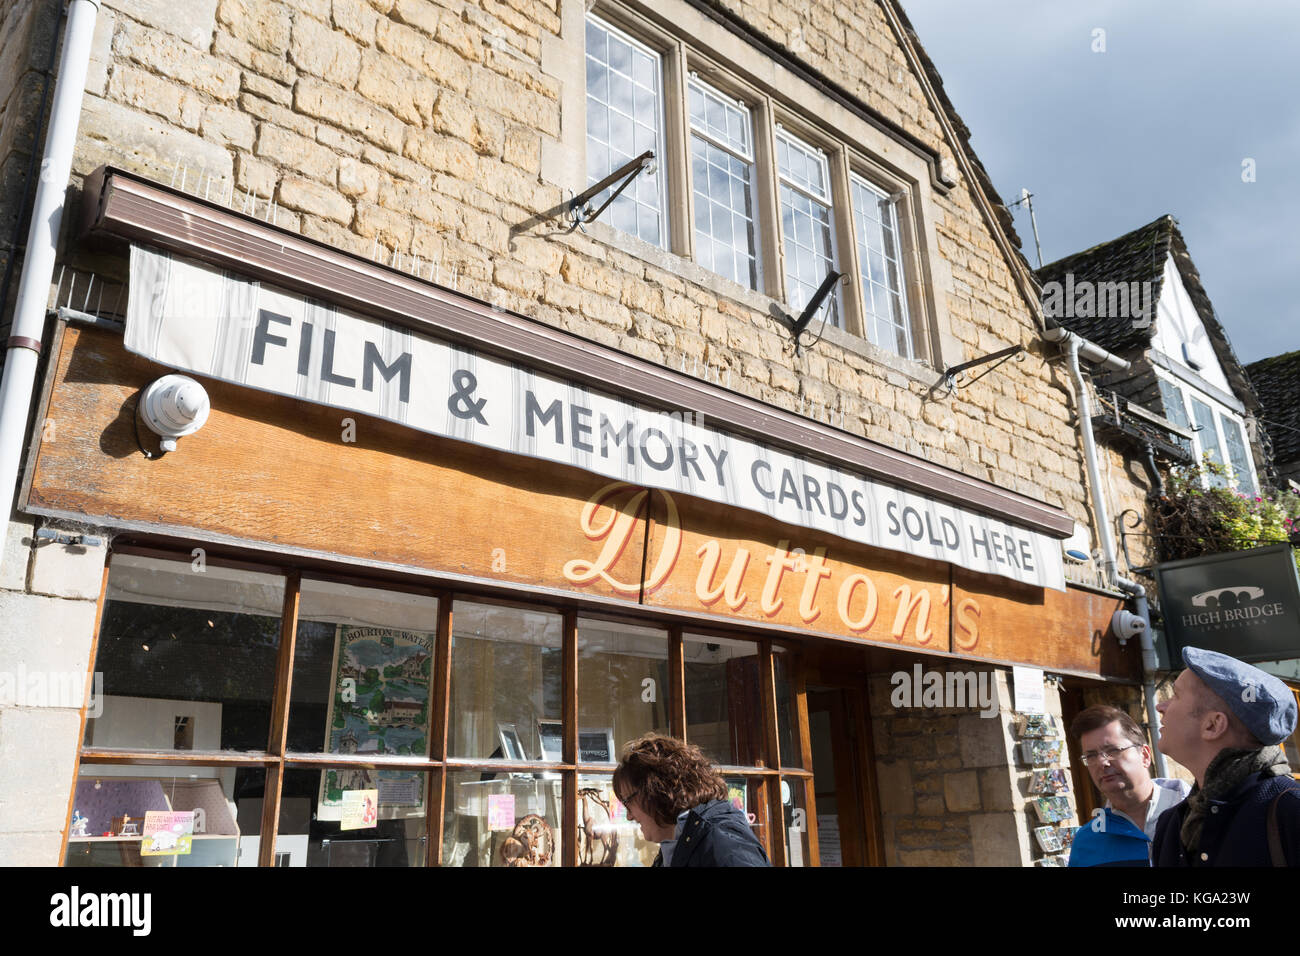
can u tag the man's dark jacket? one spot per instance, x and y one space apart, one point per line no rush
1236 828
717 834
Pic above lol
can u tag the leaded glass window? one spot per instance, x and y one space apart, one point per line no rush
722 169
884 308
805 221
624 119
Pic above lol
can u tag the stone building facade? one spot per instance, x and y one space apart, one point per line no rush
443 138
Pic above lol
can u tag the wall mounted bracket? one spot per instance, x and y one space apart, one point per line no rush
580 211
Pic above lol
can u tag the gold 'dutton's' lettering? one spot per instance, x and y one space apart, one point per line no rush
779 562
816 571
967 633
616 531
710 554
845 599
907 602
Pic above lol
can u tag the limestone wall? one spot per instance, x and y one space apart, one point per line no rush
48 595
428 129
953 788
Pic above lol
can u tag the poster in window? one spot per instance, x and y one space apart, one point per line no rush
359 810
379 705
167 833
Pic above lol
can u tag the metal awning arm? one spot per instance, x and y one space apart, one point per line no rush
580 211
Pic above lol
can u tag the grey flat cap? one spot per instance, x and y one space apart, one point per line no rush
1263 703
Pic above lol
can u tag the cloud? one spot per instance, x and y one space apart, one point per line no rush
1160 122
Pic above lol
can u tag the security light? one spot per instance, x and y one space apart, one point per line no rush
172 407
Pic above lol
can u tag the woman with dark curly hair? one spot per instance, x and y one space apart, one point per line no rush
671 790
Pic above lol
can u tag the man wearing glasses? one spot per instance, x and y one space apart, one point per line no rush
1119 760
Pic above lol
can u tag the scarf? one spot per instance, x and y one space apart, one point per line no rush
1226 772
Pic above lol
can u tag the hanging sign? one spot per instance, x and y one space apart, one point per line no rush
1245 604
193 317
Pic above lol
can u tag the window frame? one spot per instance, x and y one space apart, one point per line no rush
662 120
754 111
1223 419
439 764
685 57
893 201
1218 413
837 212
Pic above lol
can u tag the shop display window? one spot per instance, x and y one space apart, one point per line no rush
187 656
317 828
505 681
724 716
363 686
402 725
606 837
502 819
165 816
622 687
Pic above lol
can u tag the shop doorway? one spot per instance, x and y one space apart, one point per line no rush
848 818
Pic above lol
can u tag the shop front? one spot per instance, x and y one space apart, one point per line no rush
425 567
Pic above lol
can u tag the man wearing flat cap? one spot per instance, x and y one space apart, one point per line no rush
1223 723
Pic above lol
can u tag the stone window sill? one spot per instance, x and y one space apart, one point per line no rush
692 272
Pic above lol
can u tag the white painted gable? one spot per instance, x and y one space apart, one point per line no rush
1178 324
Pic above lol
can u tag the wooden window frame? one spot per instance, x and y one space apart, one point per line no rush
276 759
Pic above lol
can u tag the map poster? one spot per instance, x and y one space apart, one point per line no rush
379 705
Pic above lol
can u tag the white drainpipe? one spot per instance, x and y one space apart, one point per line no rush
28 329
1075 346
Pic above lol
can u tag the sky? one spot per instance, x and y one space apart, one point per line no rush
1159 121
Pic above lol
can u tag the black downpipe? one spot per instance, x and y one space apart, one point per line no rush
1157 483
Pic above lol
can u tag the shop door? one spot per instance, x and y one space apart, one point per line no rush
843 782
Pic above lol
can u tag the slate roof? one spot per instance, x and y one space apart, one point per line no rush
1277 383
1139 256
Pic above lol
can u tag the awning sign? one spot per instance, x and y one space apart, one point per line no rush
193 317
1245 604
